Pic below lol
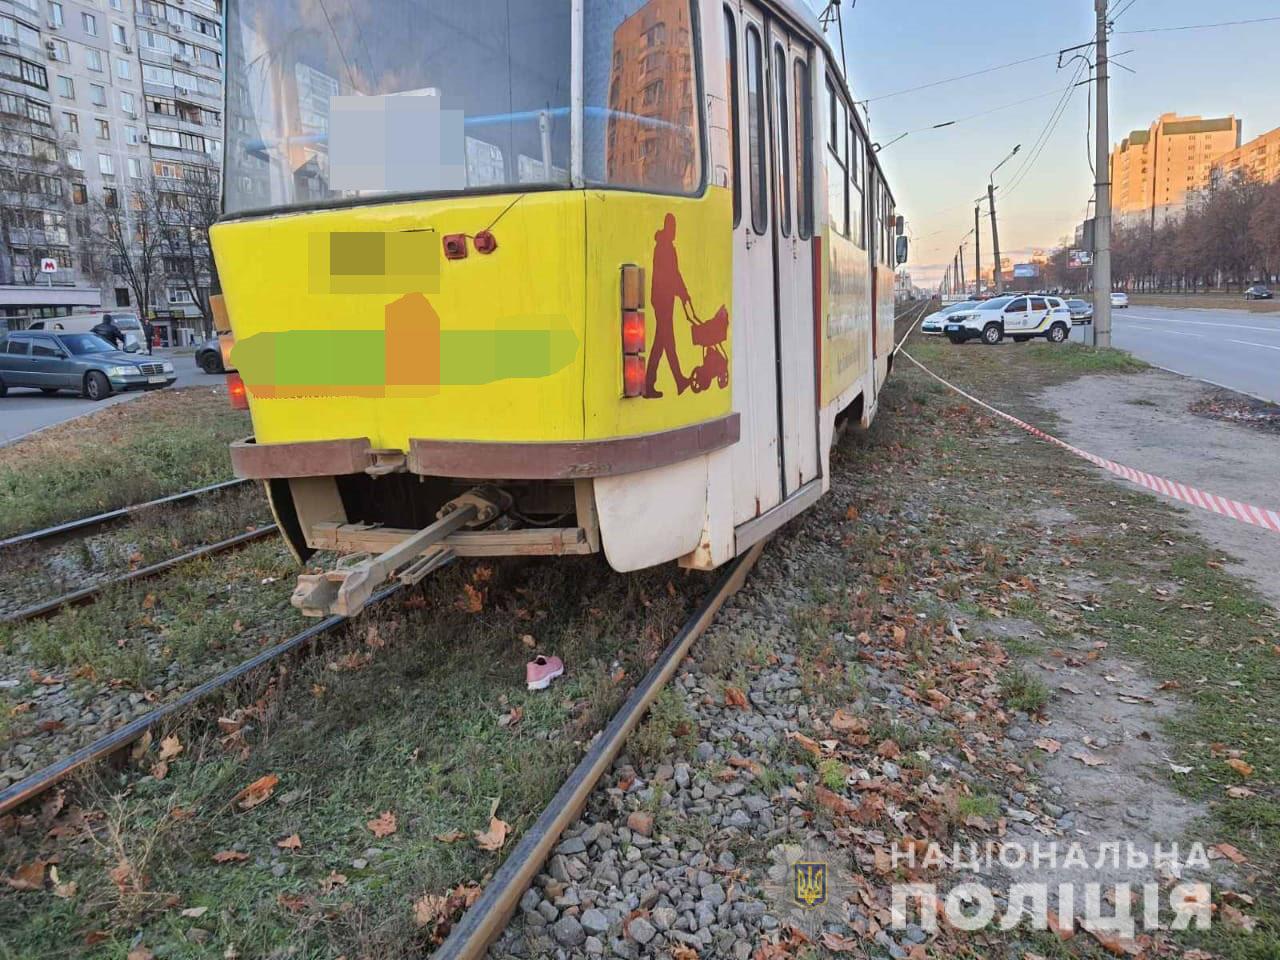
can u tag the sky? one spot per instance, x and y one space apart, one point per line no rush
935 175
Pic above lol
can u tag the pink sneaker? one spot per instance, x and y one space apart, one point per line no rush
540 671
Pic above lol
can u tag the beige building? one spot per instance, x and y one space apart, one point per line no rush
1154 170
1260 157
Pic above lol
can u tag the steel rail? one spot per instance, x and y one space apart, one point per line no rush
42 780
488 916
88 594
100 519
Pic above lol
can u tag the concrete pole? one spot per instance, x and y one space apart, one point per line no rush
995 236
1102 186
977 254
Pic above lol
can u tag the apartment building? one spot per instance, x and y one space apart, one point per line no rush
1259 158
102 101
1154 171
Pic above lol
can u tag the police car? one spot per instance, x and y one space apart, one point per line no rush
934 321
1018 317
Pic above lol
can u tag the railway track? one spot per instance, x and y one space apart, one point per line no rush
88 594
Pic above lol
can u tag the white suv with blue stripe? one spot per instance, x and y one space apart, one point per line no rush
1019 317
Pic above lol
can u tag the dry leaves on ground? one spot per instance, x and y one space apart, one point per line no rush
733 697
257 792
494 837
291 842
229 856
170 747
29 876
1240 767
384 825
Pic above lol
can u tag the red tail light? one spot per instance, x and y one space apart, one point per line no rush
237 392
633 332
632 375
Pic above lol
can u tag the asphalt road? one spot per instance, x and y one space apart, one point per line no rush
24 410
1232 348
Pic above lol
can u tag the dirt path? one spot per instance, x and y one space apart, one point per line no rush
1143 421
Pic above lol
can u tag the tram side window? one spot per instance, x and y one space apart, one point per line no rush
731 50
857 197
756 142
804 151
642 115
784 137
837 171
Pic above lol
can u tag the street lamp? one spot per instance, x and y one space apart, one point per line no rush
995 233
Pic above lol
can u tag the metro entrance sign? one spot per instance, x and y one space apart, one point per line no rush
48 265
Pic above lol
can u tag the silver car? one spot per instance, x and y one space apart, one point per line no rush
1081 310
934 321
82 362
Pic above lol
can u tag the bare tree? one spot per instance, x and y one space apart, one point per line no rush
128 235
35 209
187 209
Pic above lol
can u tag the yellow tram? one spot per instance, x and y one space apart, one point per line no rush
604 273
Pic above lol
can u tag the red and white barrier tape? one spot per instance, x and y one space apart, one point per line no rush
1244 512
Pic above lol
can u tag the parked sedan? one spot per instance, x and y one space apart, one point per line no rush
933 322
82 362
209 356
1120 300
1081 310
1258 292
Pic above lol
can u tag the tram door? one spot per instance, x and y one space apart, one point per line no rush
773 338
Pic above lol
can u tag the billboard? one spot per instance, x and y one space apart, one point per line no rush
1026 271
1080 258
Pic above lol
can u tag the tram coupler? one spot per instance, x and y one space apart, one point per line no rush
345 590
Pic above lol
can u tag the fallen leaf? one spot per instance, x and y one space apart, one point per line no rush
838 943
292 902
195 913
229 856
291 842
512 718
808 743
1088 759
1236 918
1048 744
494 837
160 769
95 937
65 891
333 881
257 792
683 951
474 601
29 876
451 836
170 747
528 641
888 749
429 909
148 601
384 825
733 697
1240 767
1239 793
1231 853
833 802
139 953
843 722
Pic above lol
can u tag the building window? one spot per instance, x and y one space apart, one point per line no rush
131 136
71 122
98 94
123 69
39 112
60 51
90 24
110 197
118 34
105 166
135 168
127 104
74 161
93 59
104 129
79 194
55 14
66 88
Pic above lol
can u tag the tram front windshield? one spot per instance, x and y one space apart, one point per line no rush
333 100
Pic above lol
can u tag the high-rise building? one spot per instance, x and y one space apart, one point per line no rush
1259 158
1153 171
110 111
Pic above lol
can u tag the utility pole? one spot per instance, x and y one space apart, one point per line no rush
977 255
995 237
1102 186
964 289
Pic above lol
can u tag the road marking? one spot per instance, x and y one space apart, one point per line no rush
1250 343
1202 323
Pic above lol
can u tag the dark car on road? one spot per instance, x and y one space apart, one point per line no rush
1258 292
82 362
1081 310
209 356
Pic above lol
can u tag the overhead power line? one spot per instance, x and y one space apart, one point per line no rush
1046 132
963 76
1202 26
